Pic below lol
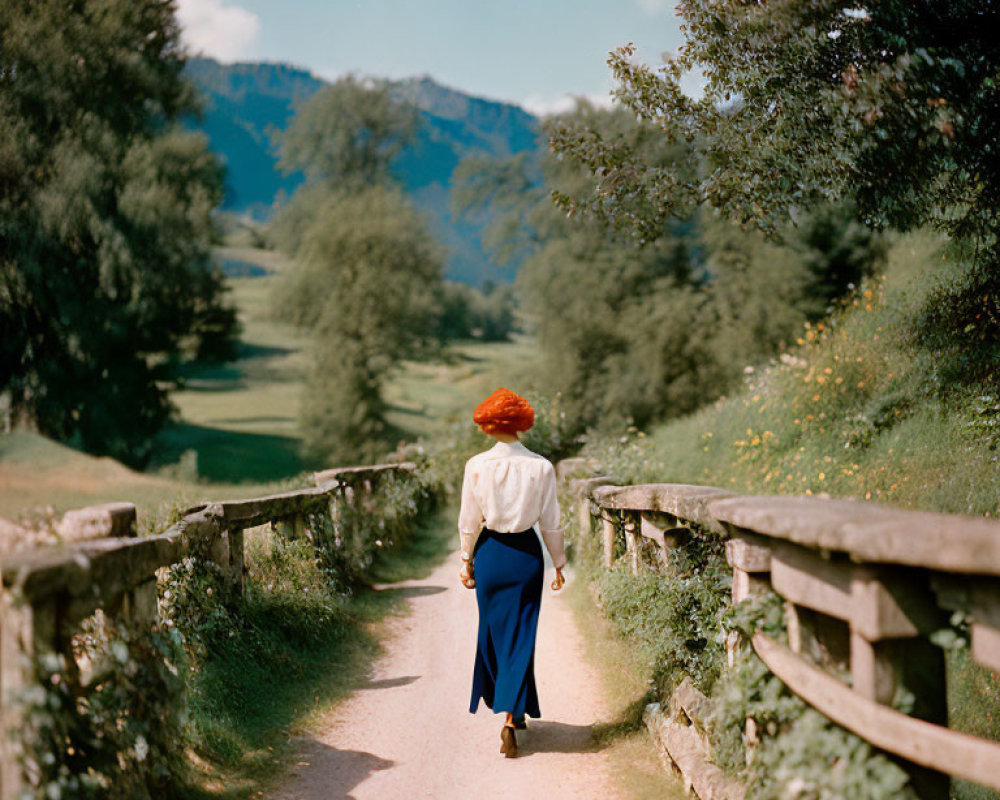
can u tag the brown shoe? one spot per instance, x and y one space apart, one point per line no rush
508 741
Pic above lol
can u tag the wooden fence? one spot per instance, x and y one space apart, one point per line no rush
863 584
47 592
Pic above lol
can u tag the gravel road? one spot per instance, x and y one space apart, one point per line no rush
407 733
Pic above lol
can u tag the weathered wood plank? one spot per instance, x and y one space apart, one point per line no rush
870 532
986 645
583 522
694 704
872 673
748 553
809 580
923 743
26 631
608 541
95 522
686 502
102 568
359 473
877 602
746 584
685 749
892 604
631 544
260 510
980 598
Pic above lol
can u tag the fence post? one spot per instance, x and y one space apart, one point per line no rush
631 543
583 521
139 608
26 632
608 529
237 559
889 655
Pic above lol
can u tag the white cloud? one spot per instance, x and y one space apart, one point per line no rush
542 106
654 7
218 29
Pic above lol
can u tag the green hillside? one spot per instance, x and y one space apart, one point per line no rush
235 430
859 408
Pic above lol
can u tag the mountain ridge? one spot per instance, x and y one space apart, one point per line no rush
246 103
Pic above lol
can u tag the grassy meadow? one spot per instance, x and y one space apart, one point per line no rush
235 431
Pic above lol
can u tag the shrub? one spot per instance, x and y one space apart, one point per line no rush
118 734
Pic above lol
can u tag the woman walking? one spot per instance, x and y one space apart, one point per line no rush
505 492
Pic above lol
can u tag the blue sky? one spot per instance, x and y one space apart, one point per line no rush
535 53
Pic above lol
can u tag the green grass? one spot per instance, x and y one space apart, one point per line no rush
427 398
226 456
858 409
636 768
242 418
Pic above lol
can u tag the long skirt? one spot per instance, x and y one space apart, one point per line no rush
508 569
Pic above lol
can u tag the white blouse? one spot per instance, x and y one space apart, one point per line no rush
508 489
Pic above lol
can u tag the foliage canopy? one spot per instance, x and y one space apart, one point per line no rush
105 281
892 104
644 332
348 132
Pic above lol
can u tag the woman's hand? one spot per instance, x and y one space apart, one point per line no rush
557 584
467 576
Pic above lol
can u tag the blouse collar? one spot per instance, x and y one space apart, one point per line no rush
503 448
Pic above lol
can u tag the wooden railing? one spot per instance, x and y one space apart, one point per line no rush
864 585
47 592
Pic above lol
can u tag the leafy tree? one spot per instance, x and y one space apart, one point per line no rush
470 313
889 105
643 331
367 275
348 132
365 285
105 281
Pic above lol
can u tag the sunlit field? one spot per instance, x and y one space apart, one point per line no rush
236 429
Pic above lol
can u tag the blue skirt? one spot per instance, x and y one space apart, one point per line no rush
509 571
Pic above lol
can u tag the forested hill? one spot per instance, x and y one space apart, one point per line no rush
243 102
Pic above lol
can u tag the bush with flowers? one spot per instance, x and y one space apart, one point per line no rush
871 404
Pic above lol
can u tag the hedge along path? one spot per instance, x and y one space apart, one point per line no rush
407 733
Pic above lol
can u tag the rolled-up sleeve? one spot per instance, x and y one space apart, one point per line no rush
549 521
470 515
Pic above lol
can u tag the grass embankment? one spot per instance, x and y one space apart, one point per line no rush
869 405
637 768
39 476
861 408
295 650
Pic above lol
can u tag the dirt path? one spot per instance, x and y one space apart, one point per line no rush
408 735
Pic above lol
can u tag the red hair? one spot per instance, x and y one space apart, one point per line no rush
504 412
